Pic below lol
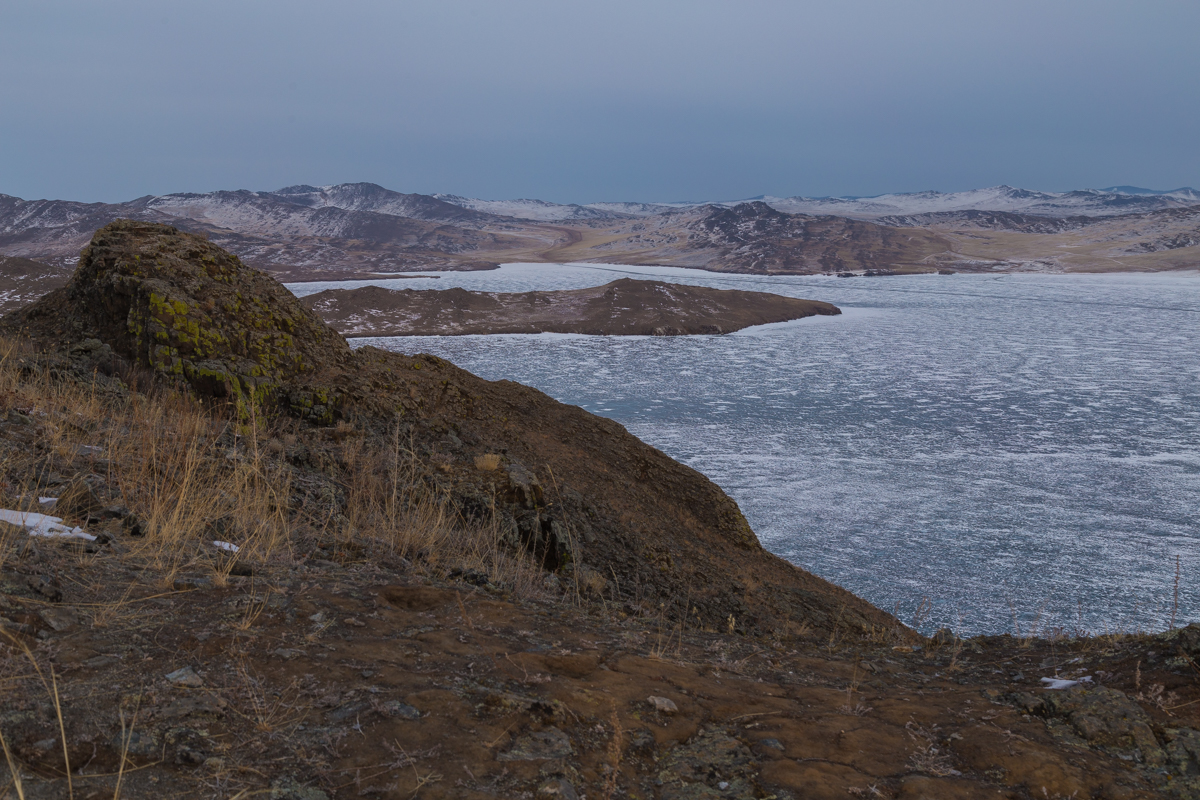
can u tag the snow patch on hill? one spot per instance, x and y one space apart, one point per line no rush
526 209
1086 202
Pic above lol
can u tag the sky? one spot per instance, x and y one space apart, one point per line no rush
586 101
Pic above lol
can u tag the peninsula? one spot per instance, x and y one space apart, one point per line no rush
625 307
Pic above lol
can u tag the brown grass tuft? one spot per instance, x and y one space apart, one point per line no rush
488 462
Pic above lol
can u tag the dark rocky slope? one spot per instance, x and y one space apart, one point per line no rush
623 307
587 498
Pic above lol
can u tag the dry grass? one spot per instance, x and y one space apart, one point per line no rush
930 756
615 753
50 686
191 475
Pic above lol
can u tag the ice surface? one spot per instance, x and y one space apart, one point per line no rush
971 439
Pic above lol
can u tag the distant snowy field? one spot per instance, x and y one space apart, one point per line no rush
1024 442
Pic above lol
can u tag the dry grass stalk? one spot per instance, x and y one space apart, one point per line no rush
929 756
268 715
51 688
126 738
616 750
1175 601
14 769
255 605
852 708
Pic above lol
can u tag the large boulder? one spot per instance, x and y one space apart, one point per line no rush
190 311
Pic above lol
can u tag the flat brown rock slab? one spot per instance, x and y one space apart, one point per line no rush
625 307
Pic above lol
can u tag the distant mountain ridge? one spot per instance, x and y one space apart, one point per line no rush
1085 202
359 230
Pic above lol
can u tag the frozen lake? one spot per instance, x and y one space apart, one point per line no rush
1016 447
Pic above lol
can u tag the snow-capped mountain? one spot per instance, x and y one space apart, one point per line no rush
305 232
526 209
542 211
1187 193
298 208
375 198
1085 202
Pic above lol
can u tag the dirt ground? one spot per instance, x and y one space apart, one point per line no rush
326 680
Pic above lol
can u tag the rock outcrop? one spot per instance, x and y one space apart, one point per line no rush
194 314
615 516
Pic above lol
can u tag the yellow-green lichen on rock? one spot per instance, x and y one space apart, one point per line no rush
194 313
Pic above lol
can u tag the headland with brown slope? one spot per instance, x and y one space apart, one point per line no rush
576 489
620 308
452 588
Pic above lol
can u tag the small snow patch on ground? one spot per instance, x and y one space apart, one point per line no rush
43 525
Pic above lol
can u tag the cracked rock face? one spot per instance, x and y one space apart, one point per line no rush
1110 721
539 746
1097 717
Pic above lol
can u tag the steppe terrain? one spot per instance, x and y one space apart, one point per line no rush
305 572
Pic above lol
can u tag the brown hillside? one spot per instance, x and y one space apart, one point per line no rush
22 281
577 490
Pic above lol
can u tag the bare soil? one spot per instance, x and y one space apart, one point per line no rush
385 680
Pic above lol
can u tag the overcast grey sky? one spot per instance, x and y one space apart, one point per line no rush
601 100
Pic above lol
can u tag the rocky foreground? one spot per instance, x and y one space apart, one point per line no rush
620 308
305 572
341 679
